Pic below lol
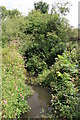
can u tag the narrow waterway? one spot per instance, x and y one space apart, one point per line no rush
39 102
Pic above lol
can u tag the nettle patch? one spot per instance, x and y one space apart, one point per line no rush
14 89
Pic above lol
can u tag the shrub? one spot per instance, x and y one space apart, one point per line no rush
64 81
35 65
65 100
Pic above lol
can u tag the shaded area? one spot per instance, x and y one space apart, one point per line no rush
39 102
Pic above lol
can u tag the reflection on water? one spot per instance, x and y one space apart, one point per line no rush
39 102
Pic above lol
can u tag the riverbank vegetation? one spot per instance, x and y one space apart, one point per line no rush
51 49
14 89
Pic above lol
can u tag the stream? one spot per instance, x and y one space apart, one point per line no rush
39 102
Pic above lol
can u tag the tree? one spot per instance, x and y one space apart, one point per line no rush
13 13
61 8
3 11
9 13
42 6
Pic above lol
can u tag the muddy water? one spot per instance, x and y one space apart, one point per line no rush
39 102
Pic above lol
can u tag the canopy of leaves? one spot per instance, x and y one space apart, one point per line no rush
47 35
61 8
42 6
9 13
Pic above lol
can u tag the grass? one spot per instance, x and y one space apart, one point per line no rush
14 89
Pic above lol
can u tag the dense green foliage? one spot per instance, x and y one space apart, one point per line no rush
12 30
14 89
63 78
65 100
43 7
46 35
9 13
51 61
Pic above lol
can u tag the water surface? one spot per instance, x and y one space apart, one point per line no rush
39 102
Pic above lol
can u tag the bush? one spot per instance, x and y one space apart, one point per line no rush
64 81
35 65
65 100
45 38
